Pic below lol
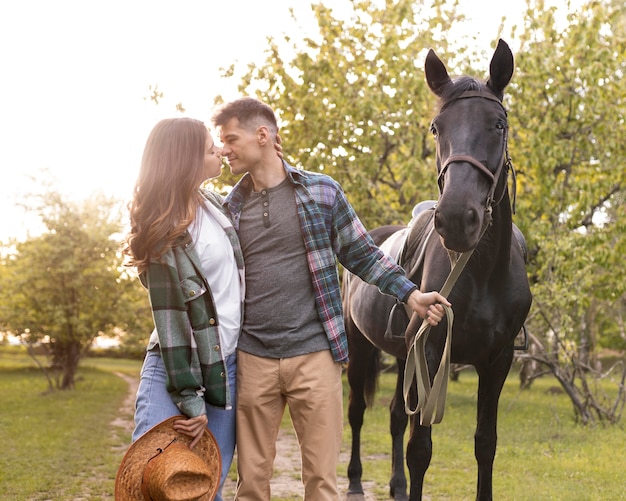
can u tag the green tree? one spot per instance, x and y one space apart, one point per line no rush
569 102
65 286
134 320
569 108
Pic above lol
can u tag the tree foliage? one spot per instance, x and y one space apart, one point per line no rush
569 102
65 286
568 121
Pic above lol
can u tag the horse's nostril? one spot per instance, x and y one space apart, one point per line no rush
471 218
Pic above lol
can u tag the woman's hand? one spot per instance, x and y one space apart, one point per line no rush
277 145
192 427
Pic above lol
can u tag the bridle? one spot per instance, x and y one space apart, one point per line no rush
504 163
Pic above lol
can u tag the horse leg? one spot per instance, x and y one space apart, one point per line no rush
362 373
419 452
490 382
397 425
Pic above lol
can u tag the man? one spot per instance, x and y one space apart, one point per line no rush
293 226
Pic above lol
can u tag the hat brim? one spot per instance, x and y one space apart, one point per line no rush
130 472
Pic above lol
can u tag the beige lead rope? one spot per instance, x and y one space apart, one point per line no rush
431 400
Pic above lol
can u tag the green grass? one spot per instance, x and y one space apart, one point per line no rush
61 445
542 454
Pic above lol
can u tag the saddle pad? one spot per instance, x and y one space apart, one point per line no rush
394 244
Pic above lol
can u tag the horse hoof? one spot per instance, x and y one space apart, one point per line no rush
398 496
355 496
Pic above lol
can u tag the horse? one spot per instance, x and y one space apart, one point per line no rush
491 297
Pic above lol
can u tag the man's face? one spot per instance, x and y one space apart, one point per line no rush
240 147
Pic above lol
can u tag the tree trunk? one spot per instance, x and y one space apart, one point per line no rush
66 357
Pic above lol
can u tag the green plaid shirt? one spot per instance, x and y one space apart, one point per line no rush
186 325
332 231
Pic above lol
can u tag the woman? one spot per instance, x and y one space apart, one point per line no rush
188 257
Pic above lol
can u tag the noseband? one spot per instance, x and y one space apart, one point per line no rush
505 160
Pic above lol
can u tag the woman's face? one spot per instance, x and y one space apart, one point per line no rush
212 158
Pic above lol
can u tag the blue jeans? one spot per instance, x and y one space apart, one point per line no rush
154 405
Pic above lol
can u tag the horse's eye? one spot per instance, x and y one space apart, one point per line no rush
500 125
433 130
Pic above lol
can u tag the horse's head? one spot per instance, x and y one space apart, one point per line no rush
471 134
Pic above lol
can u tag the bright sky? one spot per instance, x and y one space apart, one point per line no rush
74 75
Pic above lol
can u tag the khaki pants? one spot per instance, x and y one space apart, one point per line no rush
311 386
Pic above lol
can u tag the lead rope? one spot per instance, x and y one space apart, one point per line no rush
431 399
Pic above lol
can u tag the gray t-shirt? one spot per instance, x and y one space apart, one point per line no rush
280 316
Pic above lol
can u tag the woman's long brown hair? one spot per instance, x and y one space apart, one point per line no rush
166 195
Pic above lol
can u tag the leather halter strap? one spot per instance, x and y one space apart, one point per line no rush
475 93
469 159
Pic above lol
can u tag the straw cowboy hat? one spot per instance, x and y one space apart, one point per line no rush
159 466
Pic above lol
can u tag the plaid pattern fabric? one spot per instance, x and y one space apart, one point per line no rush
187 325
332 231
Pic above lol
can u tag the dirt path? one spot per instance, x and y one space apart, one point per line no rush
285 484
124 419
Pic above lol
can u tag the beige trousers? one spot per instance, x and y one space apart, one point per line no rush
311 386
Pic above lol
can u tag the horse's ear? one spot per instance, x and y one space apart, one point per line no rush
500 68
436 74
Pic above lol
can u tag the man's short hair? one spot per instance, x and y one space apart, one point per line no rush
251 114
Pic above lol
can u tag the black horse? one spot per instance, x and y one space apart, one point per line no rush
490 298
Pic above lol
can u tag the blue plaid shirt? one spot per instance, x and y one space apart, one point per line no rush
331 231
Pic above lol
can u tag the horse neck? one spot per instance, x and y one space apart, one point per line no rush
497 239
